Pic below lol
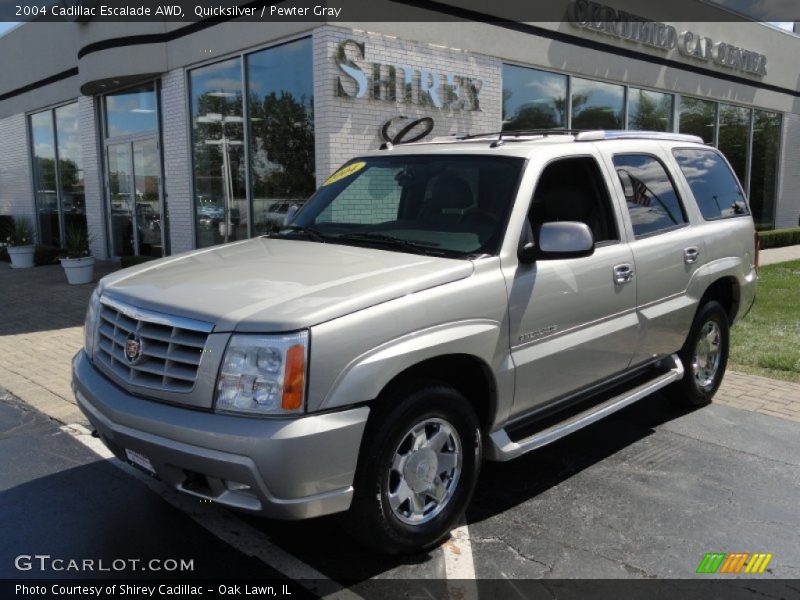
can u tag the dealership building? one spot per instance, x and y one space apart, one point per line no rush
164 137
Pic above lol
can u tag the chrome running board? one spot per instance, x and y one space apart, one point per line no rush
504 448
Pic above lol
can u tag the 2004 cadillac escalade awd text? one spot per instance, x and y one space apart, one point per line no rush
431 306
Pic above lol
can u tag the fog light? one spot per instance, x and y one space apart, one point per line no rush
235 486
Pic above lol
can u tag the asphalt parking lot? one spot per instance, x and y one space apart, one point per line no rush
643 494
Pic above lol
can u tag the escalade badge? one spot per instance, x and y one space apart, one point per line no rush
133 348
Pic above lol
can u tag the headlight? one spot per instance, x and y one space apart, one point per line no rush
263 374
90 324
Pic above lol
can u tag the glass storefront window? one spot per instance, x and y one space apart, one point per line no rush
764 167
281 126
44 175
734 135
57 173
70 167
533 99
649 111
218 150
698 117
131 111
597 105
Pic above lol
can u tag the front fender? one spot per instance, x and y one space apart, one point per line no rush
367 374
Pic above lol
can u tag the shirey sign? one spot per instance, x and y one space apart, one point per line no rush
593 16
380 81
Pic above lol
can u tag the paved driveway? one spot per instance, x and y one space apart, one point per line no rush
642 494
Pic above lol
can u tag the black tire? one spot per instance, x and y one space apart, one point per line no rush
689 391
371 519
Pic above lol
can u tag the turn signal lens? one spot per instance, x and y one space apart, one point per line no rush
294 378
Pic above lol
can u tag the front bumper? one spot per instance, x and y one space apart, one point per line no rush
293 468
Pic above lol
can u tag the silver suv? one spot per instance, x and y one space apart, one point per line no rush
432 306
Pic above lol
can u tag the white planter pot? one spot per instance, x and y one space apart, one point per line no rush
21 256
78 270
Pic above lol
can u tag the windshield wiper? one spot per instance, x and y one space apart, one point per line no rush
309 231
388 240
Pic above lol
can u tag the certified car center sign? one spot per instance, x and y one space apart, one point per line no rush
593 16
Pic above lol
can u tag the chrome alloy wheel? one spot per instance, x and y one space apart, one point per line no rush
424 473
707 354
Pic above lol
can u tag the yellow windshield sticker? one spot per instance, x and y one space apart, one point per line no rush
345 172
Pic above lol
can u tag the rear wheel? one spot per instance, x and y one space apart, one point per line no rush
418 467
704 356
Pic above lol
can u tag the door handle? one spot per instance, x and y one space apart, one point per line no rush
623 274
691 254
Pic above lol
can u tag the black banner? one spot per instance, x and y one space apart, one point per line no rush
333 11
391 589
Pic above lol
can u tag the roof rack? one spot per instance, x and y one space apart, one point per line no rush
624 134
498 138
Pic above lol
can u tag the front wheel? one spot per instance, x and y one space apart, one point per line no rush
418 467
704 356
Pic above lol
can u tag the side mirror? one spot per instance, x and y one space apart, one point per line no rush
564 239
290 214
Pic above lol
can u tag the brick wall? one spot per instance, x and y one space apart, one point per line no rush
346 126
16 187
177 161
788 208
93 177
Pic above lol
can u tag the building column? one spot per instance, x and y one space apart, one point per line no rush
787 203
176 149
96 220
16 183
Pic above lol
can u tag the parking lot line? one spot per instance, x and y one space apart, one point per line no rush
225 525
458 563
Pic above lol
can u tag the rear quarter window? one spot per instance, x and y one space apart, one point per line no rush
713 184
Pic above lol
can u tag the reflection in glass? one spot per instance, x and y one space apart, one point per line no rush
131 111
119 187
713 185
649 111
533 99
764 168
596 105
44 174
148 204
697 117
281 115
218 150
734 131
70 167
651 198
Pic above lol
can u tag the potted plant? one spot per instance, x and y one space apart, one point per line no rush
78 262
20 243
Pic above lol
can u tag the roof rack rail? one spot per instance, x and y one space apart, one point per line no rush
626 134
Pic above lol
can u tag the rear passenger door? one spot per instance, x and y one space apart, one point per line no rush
666 251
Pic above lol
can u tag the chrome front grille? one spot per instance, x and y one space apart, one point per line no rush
171 347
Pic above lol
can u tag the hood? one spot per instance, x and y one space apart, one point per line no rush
268 284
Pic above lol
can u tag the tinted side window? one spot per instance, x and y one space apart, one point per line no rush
714 187
573 189
653 203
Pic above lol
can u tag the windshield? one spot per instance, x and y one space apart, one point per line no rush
440 205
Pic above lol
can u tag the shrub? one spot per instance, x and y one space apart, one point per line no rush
778 238
46 255
130 261
20 233
6 224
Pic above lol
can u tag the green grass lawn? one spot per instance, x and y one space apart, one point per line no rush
767 341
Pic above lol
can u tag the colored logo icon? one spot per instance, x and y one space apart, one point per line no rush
734 563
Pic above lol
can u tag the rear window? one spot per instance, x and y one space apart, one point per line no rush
712 182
